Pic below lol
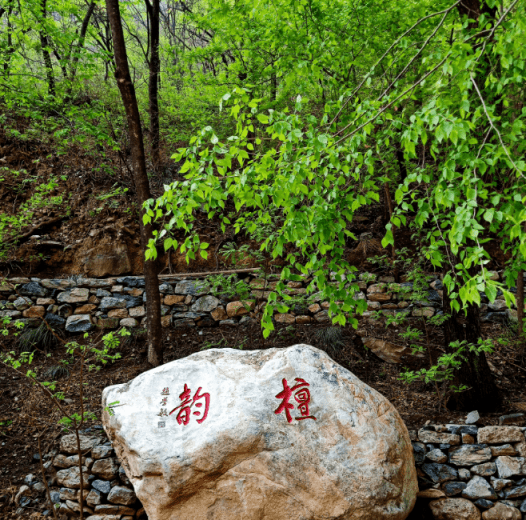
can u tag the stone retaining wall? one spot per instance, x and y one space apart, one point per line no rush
465 470
83 304
108 494
483 465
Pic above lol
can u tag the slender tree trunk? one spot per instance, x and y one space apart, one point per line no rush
44 43
80 46
153 84
274 86
482 393
520 303
127 90
10 49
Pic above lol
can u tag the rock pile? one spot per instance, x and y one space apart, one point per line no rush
472 471
108 494
83 304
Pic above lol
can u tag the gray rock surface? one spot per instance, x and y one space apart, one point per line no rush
350 429
479 487
122 496
79 323
106 469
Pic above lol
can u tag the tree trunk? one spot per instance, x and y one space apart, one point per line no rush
274 86
44 43
482 394
520 303
127 90
9 49
76 56
153 84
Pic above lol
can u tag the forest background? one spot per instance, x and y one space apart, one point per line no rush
297 114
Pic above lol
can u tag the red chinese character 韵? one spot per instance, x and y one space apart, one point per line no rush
185 412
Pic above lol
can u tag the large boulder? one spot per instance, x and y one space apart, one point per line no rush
280 434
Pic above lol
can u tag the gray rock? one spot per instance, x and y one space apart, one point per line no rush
510 466
495 317
24 501
55 497
485 470
464 474
500 483
165 309
70 477
79 323
109 302
124 478
22 303
179 307
105 468
515 492
189 287
101 485
438 437
473 417
482 503
186 315
55 321
439 472
122 496
94 498
511 503
38 487
453 488
101 293
129 323
132 301
68 494
111 510
29 479
419 452
68 443
505 419
497 306
10 314
523 507
205 304
479 488
33 289
132 281
182 323
102 451
75 506
469 430
500 434
470 455
230 323
76 295
437 455
504 449
166 288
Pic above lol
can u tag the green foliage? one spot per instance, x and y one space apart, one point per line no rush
228 287
444 369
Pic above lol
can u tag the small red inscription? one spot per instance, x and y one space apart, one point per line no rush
302 396
183 416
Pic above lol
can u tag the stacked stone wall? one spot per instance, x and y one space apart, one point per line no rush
483 465
463 469
83 304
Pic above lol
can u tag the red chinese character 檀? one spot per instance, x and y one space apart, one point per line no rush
183 416
302 396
